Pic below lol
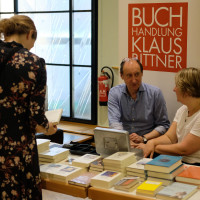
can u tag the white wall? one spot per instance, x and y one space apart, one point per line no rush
113 47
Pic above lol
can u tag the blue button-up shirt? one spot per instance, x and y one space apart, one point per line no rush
141 116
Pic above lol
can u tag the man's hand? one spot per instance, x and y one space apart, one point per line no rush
134 137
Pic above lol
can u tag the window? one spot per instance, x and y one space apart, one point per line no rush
67 40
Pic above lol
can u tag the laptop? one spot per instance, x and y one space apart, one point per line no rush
109 141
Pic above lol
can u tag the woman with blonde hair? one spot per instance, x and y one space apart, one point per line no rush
183 136
22 96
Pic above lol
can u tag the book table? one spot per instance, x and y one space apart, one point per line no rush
112 194
65 188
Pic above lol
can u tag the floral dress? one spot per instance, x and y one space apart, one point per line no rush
22 96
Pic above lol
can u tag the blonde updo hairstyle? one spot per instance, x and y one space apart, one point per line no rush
18 24
188 80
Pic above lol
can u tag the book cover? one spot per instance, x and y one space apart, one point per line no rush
163 163
169 176
85 160
190 174
177 190
54 116
149 188
138 166
83 179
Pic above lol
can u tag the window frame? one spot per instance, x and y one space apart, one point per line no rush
94 56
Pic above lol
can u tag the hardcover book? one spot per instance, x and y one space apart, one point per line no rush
106 179
149 188
54 116
85 160
163 163
83 179
190 174
177 191
169 176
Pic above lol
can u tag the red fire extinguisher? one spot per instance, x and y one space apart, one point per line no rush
104 86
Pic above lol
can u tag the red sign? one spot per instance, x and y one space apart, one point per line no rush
157 35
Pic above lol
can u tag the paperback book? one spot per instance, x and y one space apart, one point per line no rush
83 179
138 166
177 191
127 184
106 179
42 145
149 188
85 160
165 182
60 172
119 159
97 164
54 154
163 163
190 174
54 116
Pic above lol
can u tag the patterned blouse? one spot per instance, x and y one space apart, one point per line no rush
22 96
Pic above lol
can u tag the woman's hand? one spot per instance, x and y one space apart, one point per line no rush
148 149
52 129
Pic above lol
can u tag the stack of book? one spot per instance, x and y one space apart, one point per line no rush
137 169
60 172
42 145
82 180
53 155
164 168
106 179
119 161
97 166
149 188
127 184
179 191
190 175
85 160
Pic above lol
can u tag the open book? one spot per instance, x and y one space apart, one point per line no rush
54 116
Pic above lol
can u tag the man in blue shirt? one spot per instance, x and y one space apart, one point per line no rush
137 107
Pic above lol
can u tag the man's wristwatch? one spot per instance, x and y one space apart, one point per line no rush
144 140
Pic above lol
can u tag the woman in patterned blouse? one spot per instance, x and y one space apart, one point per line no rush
22 96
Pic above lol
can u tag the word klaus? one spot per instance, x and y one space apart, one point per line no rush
158 35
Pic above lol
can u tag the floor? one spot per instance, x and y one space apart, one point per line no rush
50 195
